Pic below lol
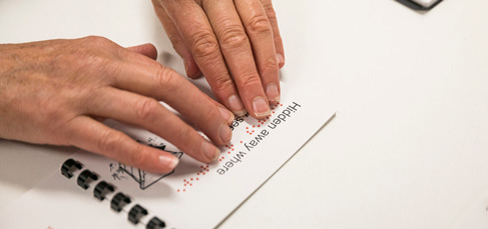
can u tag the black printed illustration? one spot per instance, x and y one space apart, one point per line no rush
144 179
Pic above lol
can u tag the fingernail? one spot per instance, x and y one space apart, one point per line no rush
261 107
225 133
226 114
236 105
210 151
273 93
281 59
168 161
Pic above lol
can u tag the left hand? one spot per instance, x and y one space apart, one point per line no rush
235 44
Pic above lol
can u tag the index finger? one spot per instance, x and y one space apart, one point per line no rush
238 52
198 34
164 84
259 29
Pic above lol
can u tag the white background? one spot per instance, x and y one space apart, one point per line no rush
407 148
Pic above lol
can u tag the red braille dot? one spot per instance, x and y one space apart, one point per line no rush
253 126
198 174
184 185
247 128
241 141
191 184
198 178
203 173
191 178
178 190
259 125
184 190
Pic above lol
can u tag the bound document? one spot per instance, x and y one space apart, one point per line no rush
91 191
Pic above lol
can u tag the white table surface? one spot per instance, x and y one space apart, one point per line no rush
408 147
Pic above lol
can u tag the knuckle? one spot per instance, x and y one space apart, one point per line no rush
249 81
146 109
259 24
165 78
271 15
223 84
269 65
94 61
109 141
270 12
204 44
98 41
233 37
138 157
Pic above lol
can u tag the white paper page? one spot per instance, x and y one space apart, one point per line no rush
195 195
